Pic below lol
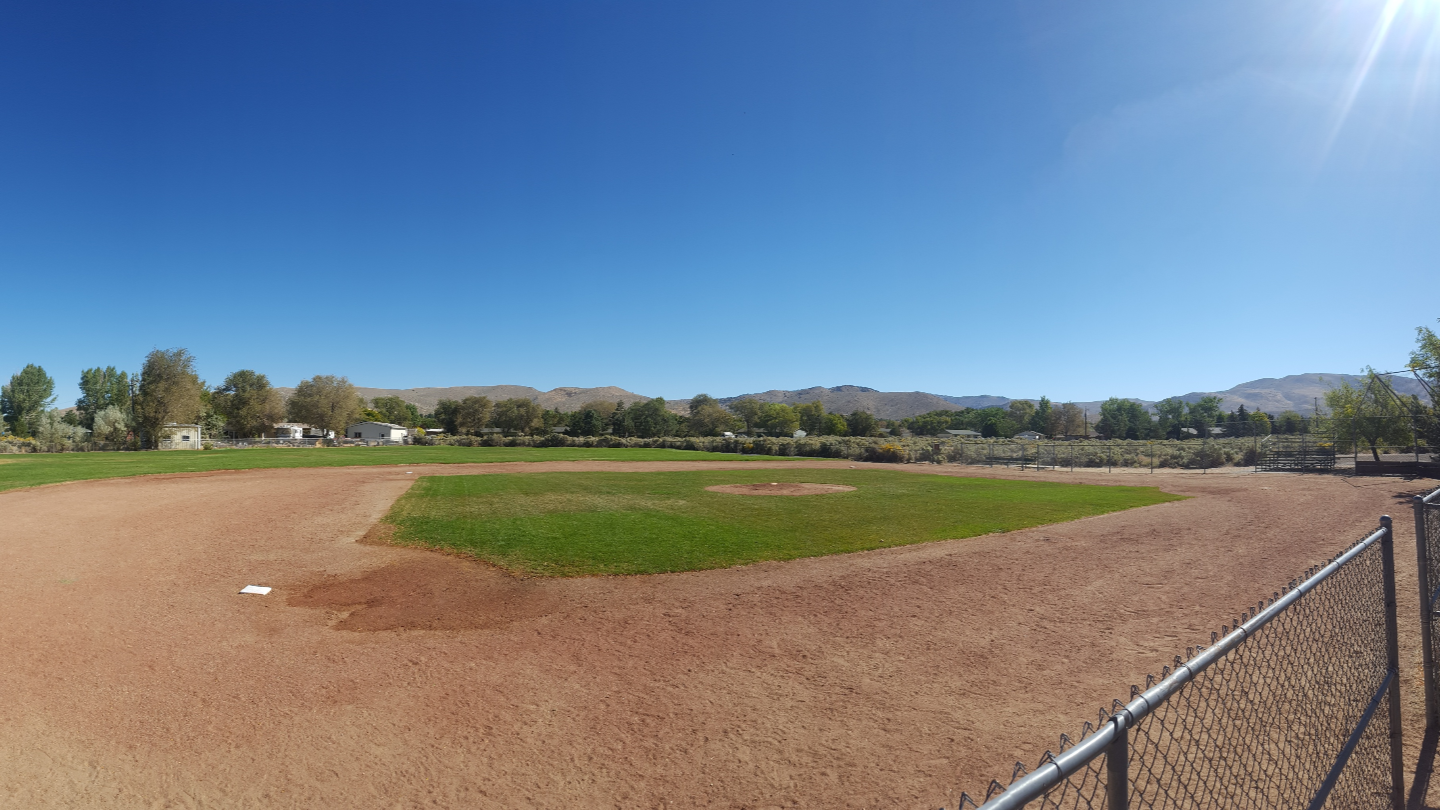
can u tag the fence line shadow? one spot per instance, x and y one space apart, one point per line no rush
1424 768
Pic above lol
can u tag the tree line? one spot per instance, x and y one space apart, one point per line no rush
705 416
133 408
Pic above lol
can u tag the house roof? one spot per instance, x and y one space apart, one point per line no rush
381 424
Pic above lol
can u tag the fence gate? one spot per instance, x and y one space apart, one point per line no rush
1296 704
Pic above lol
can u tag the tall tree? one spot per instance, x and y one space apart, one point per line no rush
111 425
749 410
1123 419
778 419
518 415
709 418
812 417
651 419
247 403
1069 420
327 402
170 393
1040 420
862 423
472 414
29 393
101 388
1369 414
1020 411
396 411
445 413
1425 364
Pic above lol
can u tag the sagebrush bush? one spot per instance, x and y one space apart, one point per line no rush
996 452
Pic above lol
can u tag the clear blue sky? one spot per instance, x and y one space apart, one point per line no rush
1072 199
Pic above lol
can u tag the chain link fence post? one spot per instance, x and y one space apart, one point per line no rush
1117 765
1392 655
1427 610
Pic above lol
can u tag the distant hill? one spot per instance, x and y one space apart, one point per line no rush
1297 392
564 399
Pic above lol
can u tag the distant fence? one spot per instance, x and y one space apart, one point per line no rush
1294 705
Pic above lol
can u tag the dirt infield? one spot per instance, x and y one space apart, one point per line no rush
134 675
779 488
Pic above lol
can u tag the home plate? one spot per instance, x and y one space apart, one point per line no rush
260 589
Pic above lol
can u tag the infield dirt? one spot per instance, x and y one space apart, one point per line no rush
134 675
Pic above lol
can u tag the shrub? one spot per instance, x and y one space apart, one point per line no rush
887 453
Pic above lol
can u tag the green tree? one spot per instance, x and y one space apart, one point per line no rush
862 423
812 417
651 419
472 414
445 414
53 433
518 415
327 402
778 419
396 411
111 425
170 392
748 410
709 418
101 388
835 425
29 393
1123 419
604 408
1203 415
1370 413
589 422
620 421
1019 412
1425 363
1040 420
247 403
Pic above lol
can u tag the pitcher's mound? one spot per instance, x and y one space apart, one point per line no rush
779 489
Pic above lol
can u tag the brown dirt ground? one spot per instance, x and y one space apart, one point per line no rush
134 675
779 488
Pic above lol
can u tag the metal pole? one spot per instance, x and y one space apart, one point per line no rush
1117 766
1392 656
1427 654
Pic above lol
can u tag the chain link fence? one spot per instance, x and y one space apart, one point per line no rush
1295 704
1427 558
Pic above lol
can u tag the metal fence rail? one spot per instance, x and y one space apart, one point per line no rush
1294 705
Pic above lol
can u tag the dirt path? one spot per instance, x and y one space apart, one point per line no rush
135 676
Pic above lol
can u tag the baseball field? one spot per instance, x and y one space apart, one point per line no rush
627 631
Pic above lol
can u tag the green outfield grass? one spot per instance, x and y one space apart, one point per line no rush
31 469
570 524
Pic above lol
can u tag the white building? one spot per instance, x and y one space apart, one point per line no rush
377 432
1029 435
180 437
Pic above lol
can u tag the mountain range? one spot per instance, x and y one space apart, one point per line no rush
1297 392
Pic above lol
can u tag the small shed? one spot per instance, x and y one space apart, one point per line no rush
964 434
377 432
179 437
1030 435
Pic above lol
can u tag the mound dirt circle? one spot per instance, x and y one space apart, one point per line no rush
779 489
